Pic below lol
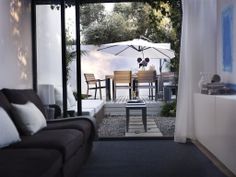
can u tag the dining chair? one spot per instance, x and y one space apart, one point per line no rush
122 80
148 80
94 84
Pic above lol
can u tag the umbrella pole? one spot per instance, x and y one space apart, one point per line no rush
160 86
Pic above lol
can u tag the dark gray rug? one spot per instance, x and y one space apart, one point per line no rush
114 126
148 158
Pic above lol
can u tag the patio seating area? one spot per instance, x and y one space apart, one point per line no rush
158 87
148 87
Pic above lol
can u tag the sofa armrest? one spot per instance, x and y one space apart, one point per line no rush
69 119
92 121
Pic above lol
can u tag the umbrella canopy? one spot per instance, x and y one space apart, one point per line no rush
139 48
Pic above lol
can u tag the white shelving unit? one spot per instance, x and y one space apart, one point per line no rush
215 125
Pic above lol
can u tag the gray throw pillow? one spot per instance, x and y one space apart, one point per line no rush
8 131
29 118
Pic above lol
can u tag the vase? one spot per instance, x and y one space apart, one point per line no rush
202 81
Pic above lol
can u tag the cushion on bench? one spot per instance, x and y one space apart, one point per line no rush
93 104
4 103
89 107
30 162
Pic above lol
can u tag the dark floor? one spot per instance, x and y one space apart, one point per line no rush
148 158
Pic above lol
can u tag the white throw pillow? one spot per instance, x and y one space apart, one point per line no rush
29 118
8 131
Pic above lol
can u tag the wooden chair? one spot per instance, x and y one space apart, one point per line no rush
122 80
148 80
93 84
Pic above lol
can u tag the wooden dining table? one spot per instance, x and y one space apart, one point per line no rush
109 82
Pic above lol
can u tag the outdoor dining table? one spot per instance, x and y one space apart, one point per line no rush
109 81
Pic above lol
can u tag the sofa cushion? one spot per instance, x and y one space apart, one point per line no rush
78 124
5 104
30 162
18 96
67 141
29 118
8 131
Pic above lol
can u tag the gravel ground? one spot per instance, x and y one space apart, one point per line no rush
166 125
114 126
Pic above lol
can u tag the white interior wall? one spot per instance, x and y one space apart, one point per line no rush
15 44
49 45
214 118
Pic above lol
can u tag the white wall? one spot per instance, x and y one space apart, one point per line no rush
15 44
49 45
214 118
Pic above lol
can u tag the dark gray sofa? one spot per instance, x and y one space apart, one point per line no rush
59 150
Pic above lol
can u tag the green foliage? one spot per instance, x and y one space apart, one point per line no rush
126 22
110 29
169 109
90 13
69 54
83 96
173 11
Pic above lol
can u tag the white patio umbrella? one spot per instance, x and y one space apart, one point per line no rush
139 48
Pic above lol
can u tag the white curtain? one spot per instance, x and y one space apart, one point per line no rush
197 54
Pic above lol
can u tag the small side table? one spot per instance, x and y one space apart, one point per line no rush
136 106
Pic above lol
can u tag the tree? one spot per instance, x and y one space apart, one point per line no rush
90 13
114 28
69 55
173 11
127 21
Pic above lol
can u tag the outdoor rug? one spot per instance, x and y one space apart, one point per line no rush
115 126
148 158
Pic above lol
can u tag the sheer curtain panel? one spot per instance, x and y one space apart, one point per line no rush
197 54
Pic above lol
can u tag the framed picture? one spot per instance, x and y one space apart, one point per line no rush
227 38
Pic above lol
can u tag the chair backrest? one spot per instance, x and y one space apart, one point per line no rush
90 78
122 76
147 76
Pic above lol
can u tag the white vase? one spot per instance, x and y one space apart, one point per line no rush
202 81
